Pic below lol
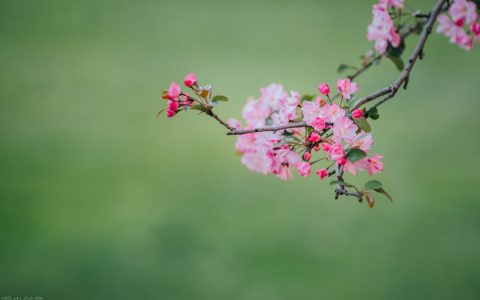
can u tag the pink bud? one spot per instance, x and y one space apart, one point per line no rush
324 88
341 161
307 156
322 173
475 28
326 147
170 113
318 124
313 138
460 22
172 105
190 79
358 113
303 169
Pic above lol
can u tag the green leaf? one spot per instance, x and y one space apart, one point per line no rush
373 113
307 97
362 123
217 98
396 51
397 61
342 183
373 185
198 107
355 155
344 67
382 191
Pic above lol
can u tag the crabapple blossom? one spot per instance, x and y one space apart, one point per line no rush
382 29
460 24
346 88
303 169
173 92
282 131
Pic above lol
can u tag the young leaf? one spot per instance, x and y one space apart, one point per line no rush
370 200
355 155
396 51
217 98
307 98
382 191
397 61
373 185
362 123
372 113
344 67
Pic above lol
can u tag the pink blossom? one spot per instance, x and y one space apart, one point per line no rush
346 87
456 34
283 160
344 129
374 164
255 113
310 110
335 152
257 162
354 167
190 79
341 161
272 95
173 92
324 88
382 30
357 114
303 169
464 11
234 123
318 124
331 113
322 173
363 141
287 109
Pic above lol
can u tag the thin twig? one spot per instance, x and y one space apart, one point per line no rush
417 52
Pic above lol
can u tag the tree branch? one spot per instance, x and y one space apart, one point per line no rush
404 76
268 128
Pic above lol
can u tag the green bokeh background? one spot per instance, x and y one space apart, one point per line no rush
100 200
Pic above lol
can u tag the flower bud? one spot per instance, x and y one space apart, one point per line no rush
313 138
358 113
322 173
307 156
324 88
190 79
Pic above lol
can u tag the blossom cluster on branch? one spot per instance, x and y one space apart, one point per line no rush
329 132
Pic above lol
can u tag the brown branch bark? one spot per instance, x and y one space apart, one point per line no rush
404 76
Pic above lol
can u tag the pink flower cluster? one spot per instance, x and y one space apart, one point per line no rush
461 25
331 133
382 29
176 98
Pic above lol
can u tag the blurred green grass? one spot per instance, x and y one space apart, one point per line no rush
101 200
